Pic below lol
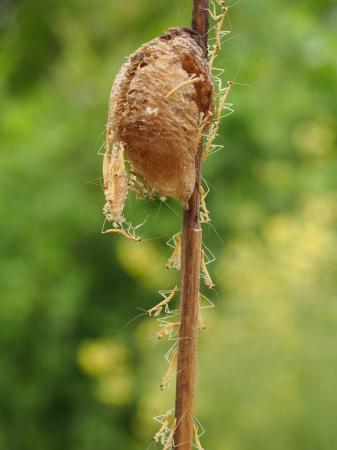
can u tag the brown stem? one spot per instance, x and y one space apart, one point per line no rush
189 285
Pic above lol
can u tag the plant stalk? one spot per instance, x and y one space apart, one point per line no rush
189 284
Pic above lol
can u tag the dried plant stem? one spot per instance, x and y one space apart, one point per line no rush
189 285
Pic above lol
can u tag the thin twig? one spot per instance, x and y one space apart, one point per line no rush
189 284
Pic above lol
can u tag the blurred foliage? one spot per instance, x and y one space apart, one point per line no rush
72 375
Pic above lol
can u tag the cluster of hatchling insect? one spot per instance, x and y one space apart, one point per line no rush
162 104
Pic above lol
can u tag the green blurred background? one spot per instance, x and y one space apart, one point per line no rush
72 375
